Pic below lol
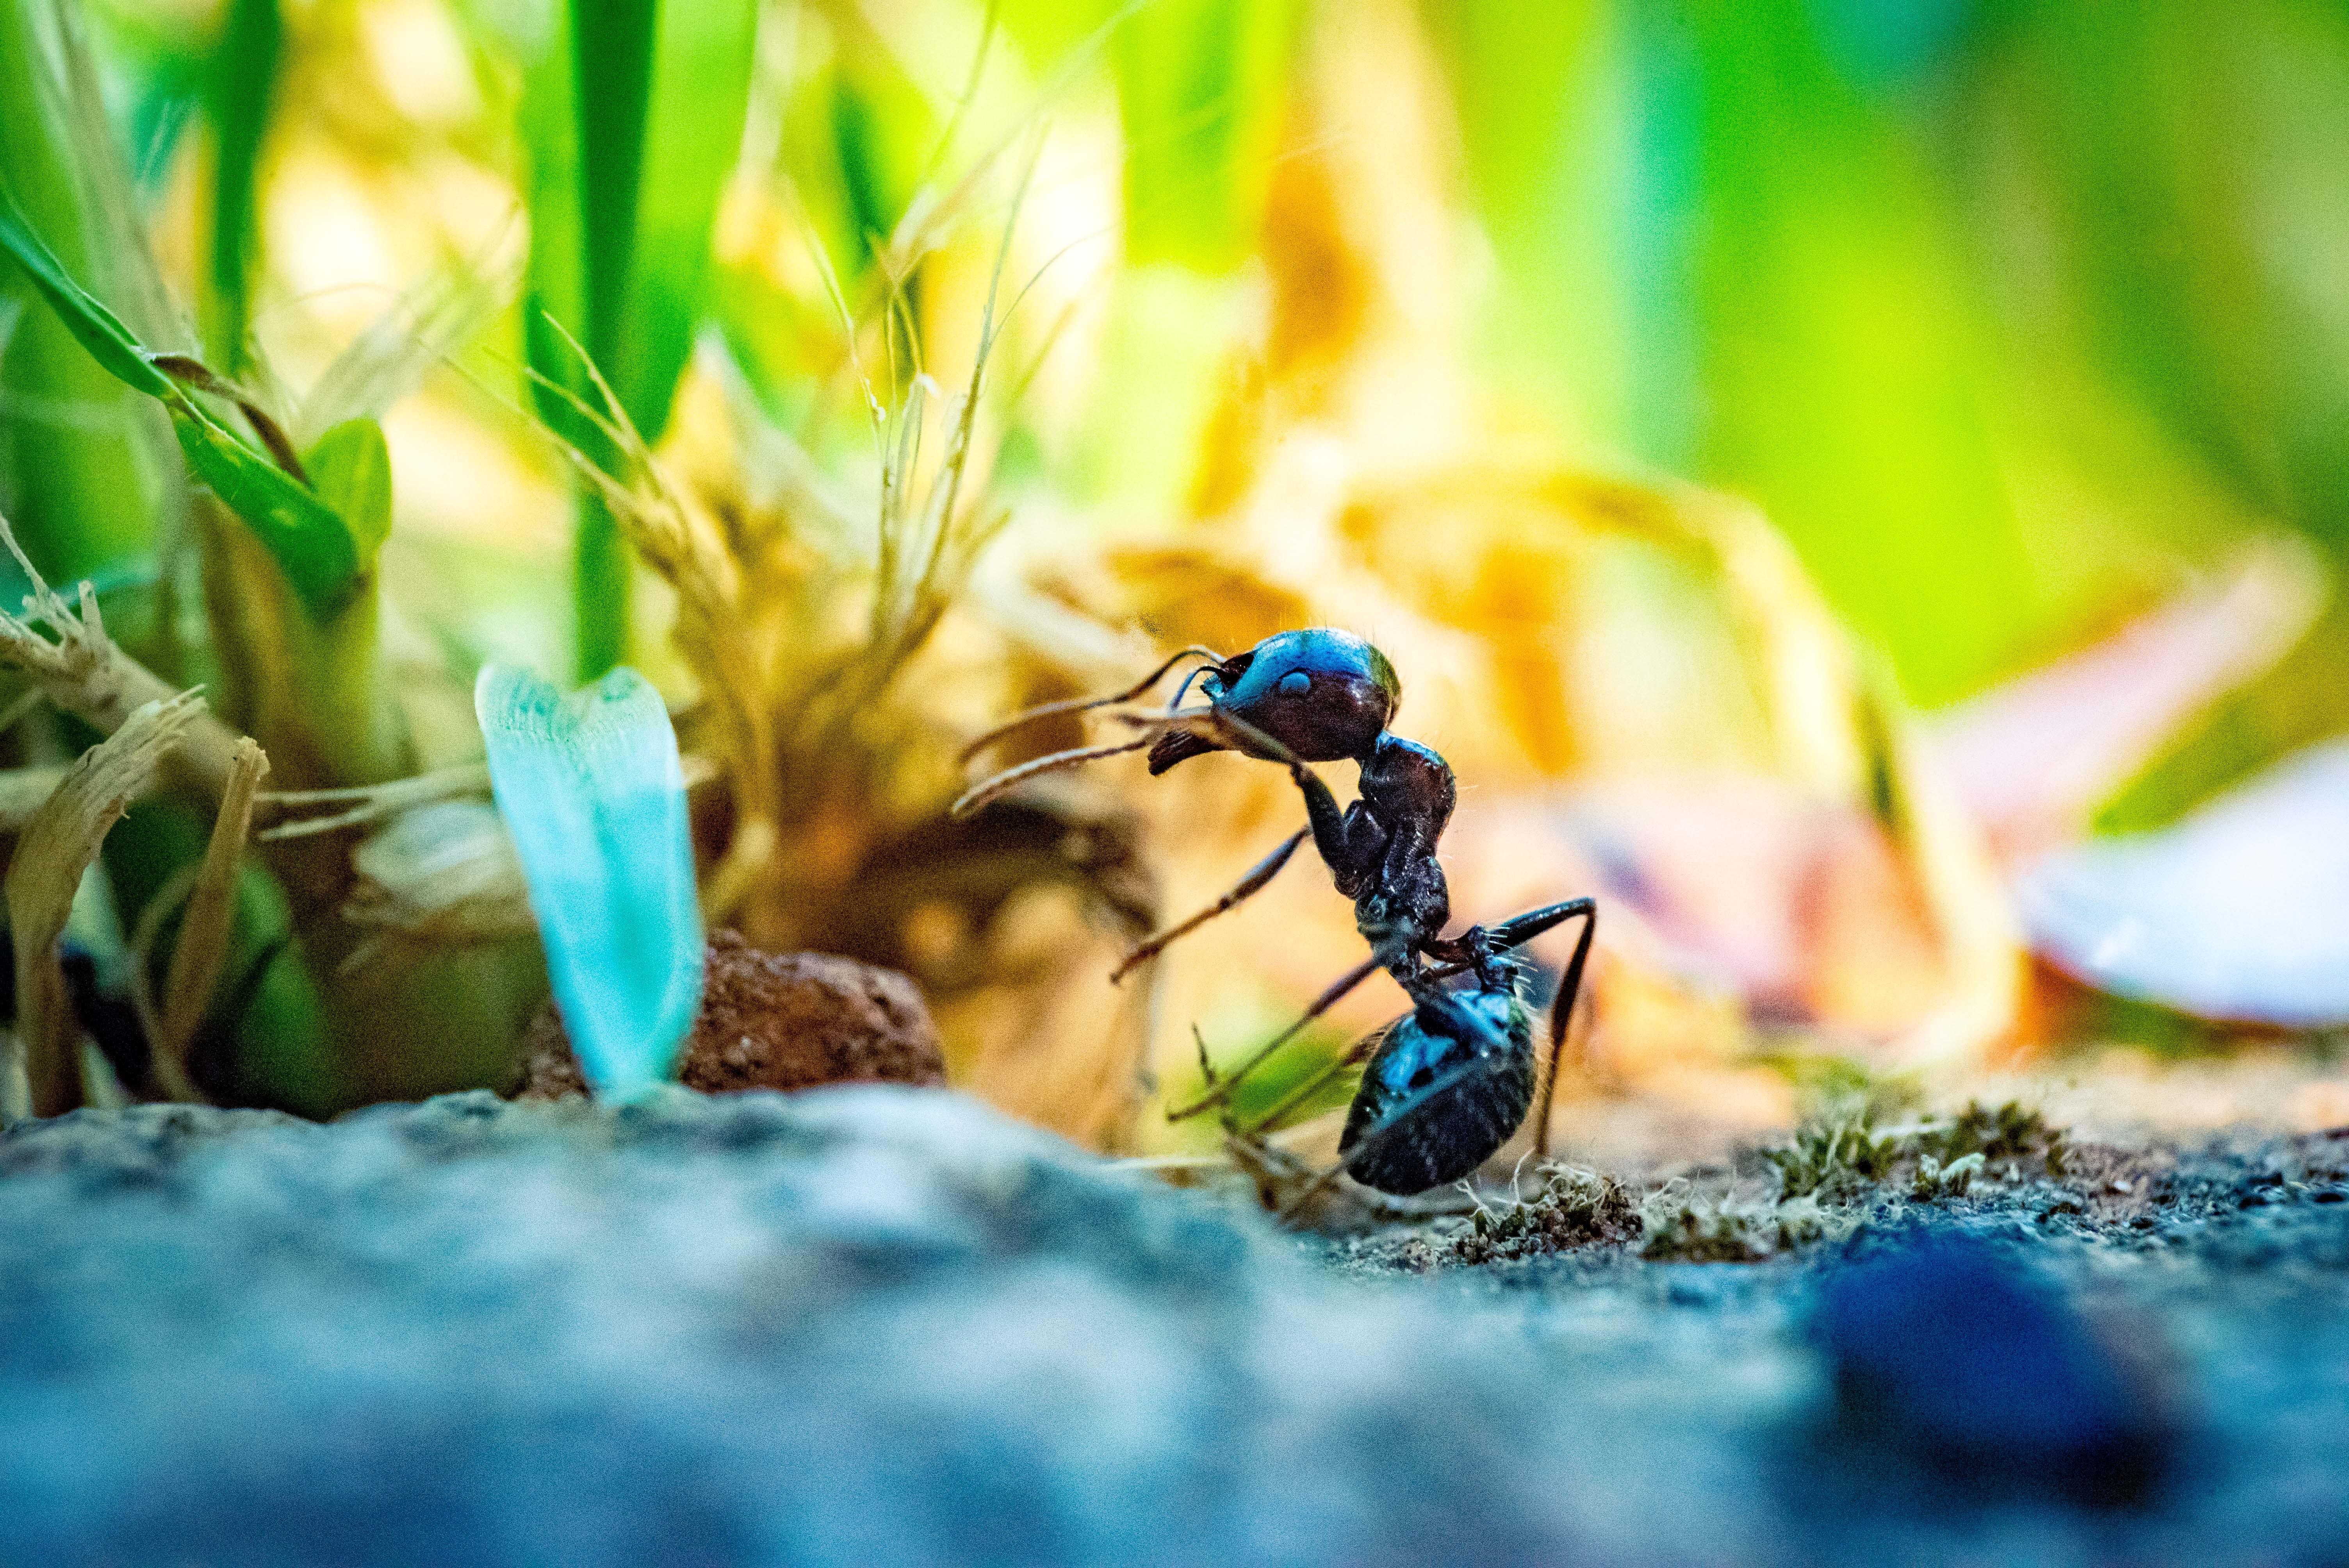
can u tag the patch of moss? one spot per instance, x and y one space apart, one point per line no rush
1851 1162
1575 1209
1831 1176
1678 1230
1932 1180
2000 1134
1835 1162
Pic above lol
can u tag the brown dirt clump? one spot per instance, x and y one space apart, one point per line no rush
773 1020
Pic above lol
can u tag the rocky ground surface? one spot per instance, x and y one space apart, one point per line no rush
883 1325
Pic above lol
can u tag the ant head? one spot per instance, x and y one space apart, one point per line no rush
1323 693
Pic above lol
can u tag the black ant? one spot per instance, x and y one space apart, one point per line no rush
1446 1085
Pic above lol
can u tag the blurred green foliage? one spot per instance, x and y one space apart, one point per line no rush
2014 314
1886 267
76 474
633 115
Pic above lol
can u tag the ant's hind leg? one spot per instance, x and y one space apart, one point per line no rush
1561 1007
1247 887
1353 1055
1221 1090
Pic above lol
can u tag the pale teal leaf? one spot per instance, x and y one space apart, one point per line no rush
592 790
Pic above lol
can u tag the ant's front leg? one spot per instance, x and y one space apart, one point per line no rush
1348 839
1253 883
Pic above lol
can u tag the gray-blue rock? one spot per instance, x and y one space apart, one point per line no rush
882 1325
861 1325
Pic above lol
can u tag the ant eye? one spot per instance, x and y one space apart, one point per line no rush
1296 683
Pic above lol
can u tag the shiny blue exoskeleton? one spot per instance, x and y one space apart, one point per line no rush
1321 695
1448 1082
1327 695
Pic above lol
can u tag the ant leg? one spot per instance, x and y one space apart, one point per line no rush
1517 933
1396 1121
1321 1003
1312 1086
1561 1007
1080 704
1247 887
1328 821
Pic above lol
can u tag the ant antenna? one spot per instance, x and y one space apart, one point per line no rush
1185 689
979 794
1223 726
1081 704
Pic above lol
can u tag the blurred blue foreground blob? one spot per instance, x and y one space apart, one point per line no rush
1948 1351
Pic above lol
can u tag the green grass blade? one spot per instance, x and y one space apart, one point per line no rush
559 291
612 49
320 552
94 327
633 115
243 77
1202 87
701 94
592 789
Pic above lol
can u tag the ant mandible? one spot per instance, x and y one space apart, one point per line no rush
1448 1084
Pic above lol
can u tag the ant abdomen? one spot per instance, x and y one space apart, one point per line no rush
1450 1083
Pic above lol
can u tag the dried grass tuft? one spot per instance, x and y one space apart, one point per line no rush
53 852
208 920
64 650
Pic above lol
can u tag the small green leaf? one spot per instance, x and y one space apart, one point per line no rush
309 541
93 326
593 791
350 471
